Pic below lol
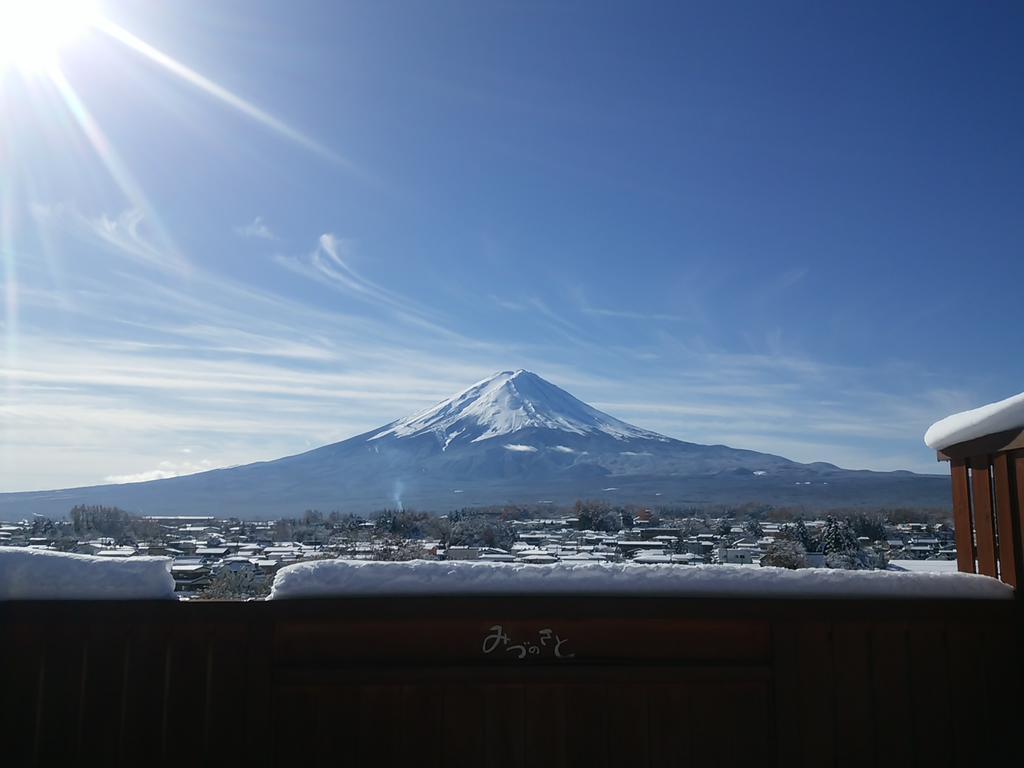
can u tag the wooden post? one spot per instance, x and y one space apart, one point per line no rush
984 522
1008 518
1017 494
962 528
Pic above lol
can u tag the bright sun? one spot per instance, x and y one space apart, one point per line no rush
33 31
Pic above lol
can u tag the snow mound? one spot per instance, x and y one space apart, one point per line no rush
363 578
40 574
969 425
508 402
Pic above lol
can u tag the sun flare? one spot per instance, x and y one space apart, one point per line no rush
32 32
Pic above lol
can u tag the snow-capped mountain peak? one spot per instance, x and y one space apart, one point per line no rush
505 403
550 449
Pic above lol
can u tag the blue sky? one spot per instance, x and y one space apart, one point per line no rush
233 231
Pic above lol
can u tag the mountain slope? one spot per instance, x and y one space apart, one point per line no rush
512 437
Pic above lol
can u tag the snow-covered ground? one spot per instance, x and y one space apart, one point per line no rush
969 425
424 577
40 574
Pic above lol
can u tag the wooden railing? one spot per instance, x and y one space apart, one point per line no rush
521 681
988 504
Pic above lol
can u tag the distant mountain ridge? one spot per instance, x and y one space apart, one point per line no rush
510 438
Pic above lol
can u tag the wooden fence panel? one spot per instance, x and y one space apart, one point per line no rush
60 698
463 732
421 714
587 714
294 740
853 705
931 713
104 687
1002 692
786 694
666 737
186 676
840 682
545 727
817 689
380 706
145 699
969 707
226 681
505 726
21 673
895 739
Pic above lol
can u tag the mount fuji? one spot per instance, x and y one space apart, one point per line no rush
510 438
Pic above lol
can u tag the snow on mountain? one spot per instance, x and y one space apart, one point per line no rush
508 402
549 446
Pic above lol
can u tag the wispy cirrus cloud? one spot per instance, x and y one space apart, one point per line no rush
626 314
257 228
139 358
126 234
330 264
585 307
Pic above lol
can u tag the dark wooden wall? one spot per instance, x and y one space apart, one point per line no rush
652 682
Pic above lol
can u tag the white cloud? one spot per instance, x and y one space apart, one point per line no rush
256 228
520 448
165 470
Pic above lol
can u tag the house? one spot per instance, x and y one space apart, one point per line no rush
918 551
189 575
472 553
628 548
650 559
211 553
117 552
738 555
652 532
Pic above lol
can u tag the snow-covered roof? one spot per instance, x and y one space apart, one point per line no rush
969 425
325 578
924 566
39 574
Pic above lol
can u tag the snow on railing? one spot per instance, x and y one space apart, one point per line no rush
40 574
340 578
987 420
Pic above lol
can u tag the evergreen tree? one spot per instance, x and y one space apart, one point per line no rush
804 536
785 553
838 539
753 528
